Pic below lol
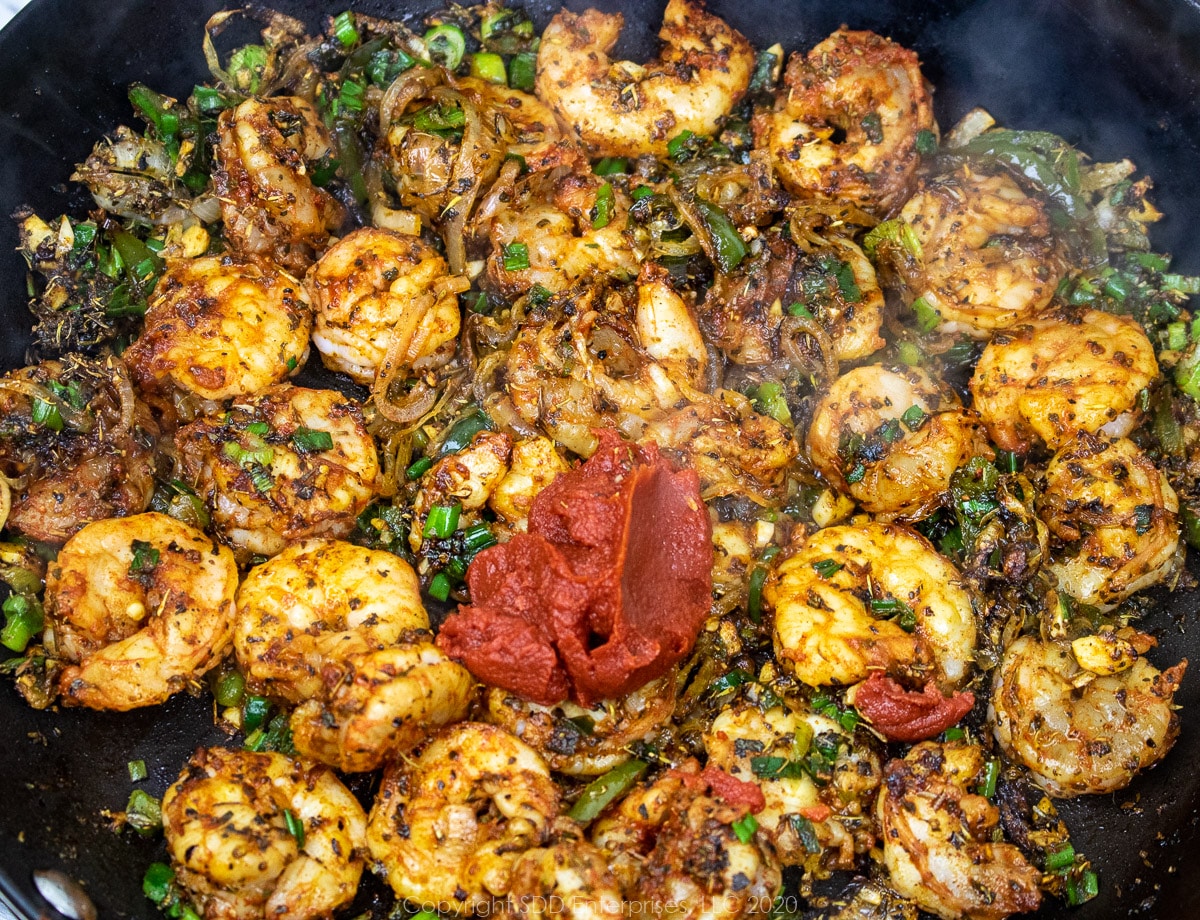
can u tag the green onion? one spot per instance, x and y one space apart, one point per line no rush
143 812
602 212
764 71
387 64
926 142
259 428
872 127
24 620
727 682
145 558
47 415
1182 284
602 791
156 109
516 257
991 776
442 521
1187 372
611 166
745 827
642 191
909 354
798 309
291 363
677 147
914 418
856 474
295 827
446 45
843 272
1089 887
489 67
310 442
826 567
254 712
157 882
585 724
927 317
954 733
230 689
439 587
418 469
890 431
351 96
137 770
1151 261
892 231
758 578
1060 859
769 400
728 244
1177 336
244 458
344 31
209 101
805 831
521 71
477 537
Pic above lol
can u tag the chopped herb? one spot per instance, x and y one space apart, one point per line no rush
463 432
602 212
439 587
893 232
137 770
291 363
309 441
642 191
442 521
344 30
745 827
807 834
446 121
143 813
856 474
1007 461
826 567
157 882
350 98
254 712
927 317
872 127
727 682
681 148
914 418
890 432
765 65
295 827
611 166
798 309
1143 517
516 257
758 578
259 428
954 733
521 71
47 415
926 142
145 558
769 399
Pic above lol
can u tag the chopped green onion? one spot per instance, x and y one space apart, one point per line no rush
344 30
143 812
991 777
642 191
351 96
156 109
728 244
1182 284
611 166
826 567
927 317
1060 859
418 469
677 147
892 231
230 689
1007 461
954 733
516 257
295 827
137 770
25 619
254 712
1177 336
463 432
798 309
1088 887
145 558
602 212
387 64
521 71
489 67
807 834
1187 372
909 354
890 431
310 442
47 415
604 790
1151 261
446 45
843 272
914 418
758 578
926 142
585 724
872 126
769 399
442 521
856 473
478 537
291 363
765 65
259 428
745 827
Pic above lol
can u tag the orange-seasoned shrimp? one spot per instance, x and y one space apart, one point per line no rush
286 464
373 285
892 438
619 108
261 836
137 608
1077 731
846 122
1054 376
269 204
569 880
220 326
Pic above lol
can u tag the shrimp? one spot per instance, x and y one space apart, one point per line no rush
534 465
982 253
1078 733
586 741
368 285
673 850
286 464
626 109
569 880
829 595
759 747
220 326
667 329
892 438
846 123
1054 376
1118 516
466 478
261 835
270 207
138 608
937 838
447 827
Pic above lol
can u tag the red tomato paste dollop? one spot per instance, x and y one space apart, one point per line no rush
607 590
905 715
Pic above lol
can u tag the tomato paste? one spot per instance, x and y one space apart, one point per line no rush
606 591
906 715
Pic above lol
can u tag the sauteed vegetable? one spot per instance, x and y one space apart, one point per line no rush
720 477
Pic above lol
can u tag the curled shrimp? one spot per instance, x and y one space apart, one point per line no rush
369 283
1054 376
534 464
220 326
846 122
982 253
1117 515
261 835
626 109
139 607
1079 733
447 827
270 207
285 464
830 596
937 838
892 438
466 478
567 880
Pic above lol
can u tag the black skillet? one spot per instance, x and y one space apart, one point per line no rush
1116 77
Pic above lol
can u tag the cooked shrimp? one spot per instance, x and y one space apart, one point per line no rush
828 597
667 328
269 205
1078 733
892 438
846 122
263 836
673 850
286 464
219 326
937 838
569 880
466 478
369 286
985 257
743 735
1118 516
138 608
626 109
534 465
446 828
1054 376
381 704
315 604
586 741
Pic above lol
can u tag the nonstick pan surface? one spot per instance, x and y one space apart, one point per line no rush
1115 77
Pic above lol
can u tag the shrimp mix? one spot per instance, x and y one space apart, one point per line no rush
594 487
